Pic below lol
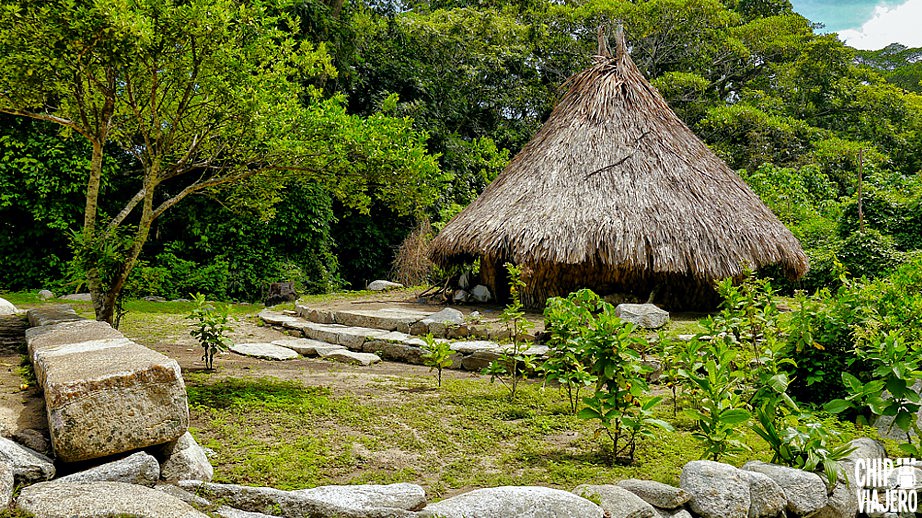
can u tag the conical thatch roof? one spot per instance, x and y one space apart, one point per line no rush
616 193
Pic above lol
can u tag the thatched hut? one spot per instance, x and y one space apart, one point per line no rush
615 193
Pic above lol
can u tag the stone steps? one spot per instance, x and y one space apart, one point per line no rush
387 341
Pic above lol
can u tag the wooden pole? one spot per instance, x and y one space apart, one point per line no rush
860 182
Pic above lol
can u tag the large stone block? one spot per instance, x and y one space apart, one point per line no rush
105 394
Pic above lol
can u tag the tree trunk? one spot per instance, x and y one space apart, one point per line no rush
93 278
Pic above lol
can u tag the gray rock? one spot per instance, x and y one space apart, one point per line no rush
616 501
105 396
78 297
230 512
366 498
396 352
657 494
7 307
247 498
480 360
805 492
672 513
33 439
274 318
306 346
28 466
644 315
460 296
139 468
264 351
387 319
472 346
351 357
718 490
843 501
184 459
45 294
866 448
481 293
49 315
766 497
7 483
155 298
517 501
445 316
382 285
183 495
101 500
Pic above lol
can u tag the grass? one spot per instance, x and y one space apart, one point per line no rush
284 434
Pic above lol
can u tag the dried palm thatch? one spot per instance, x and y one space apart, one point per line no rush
617 194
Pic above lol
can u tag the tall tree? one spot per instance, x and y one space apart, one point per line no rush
205 96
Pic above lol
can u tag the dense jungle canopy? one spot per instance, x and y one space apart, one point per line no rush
336 127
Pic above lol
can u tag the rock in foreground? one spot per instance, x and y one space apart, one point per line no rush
518 501
101 499
104 394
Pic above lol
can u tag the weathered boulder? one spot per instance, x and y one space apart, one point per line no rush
460 296
360 499
28 466
672 513
350 357
842 501
481 293
45 294
382 285
101 500
371 501
518 501
105 394
440 322
264 351
7 483
183 495
644 315
184 459
766 497
656 493
7 307
230 512
805 492
480 360
718 490
395 351
139 468
616 501
865 448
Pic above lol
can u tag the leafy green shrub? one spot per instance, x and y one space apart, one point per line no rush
564 321
210 327
512 365
437 355
868 253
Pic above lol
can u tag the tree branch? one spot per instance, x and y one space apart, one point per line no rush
132 203
48 118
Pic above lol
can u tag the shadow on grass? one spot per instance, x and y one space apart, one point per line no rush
251 393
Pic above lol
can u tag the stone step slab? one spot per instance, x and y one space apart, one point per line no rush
518 501
101 499
104 394
351 357
388 319
50 315
264 351
307 346
274 318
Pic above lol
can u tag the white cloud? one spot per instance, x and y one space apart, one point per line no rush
900 24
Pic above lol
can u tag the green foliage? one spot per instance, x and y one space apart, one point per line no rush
210 323
721 410
564 320
437 355
868 253
512 365
589 344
